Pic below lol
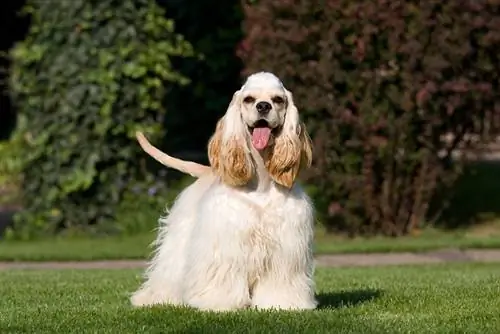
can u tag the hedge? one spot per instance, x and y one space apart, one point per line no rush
87 76
382 85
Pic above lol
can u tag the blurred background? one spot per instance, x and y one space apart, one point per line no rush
401 99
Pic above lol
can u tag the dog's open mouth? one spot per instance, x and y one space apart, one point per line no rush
261 134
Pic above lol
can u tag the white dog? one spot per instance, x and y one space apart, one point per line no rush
241 235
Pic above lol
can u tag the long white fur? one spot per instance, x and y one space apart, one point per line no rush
224 248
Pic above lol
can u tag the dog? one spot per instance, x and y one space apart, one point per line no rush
241 235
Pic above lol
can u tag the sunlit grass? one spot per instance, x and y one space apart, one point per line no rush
459 298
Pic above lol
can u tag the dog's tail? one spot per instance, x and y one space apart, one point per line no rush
192 168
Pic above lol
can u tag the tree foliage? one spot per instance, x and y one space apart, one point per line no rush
383 85
87 76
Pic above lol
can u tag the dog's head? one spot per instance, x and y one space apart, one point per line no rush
261 122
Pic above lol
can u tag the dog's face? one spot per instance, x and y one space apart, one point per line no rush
261 114
263 106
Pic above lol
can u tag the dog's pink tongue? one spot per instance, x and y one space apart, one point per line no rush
260 137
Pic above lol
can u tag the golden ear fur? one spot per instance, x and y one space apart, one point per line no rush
290 155
228 158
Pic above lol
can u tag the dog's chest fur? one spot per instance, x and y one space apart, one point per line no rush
264 237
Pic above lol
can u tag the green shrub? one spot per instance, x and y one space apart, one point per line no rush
381 84
11 164
88 75
139 211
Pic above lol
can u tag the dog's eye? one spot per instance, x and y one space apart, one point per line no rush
249 99
278 100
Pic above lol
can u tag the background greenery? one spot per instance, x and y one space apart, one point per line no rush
378 98
382 84
87 76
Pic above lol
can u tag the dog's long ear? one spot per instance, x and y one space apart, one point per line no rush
292 150
228 150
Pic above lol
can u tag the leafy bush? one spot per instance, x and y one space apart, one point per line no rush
390 89
11 169
138 210
88 75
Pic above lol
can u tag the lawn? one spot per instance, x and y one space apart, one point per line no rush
422 299
137 246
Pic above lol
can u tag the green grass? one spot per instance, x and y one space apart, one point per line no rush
137 246
485 236
458 298
78 249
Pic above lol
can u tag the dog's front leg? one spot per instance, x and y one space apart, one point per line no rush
216 276
288 282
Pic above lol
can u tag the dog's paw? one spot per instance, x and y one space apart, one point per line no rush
141 298
147 297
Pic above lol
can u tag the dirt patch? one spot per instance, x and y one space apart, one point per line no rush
334 260
111 264
438 256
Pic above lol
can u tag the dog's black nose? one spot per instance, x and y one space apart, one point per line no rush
263 107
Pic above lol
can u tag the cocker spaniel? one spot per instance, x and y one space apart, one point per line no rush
241 235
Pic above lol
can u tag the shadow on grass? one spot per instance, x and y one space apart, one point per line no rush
347 298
